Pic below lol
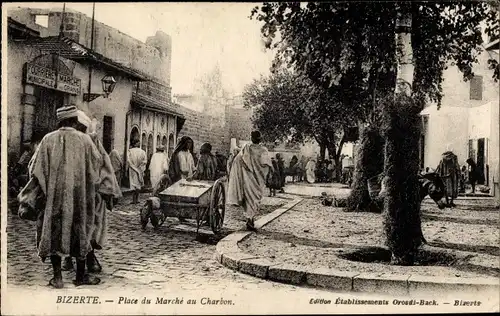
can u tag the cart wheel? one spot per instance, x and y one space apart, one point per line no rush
217 206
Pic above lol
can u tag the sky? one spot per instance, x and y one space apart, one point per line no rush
203 35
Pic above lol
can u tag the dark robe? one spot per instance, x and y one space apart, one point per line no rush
207 164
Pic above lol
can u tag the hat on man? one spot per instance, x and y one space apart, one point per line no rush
83 119
66 112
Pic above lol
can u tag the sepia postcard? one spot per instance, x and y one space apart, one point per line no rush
195 158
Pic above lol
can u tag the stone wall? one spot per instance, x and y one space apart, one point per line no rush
240 123
205 128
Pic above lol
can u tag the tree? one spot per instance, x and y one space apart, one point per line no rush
290 106
350 48
212 92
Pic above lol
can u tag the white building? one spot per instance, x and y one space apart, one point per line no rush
467 122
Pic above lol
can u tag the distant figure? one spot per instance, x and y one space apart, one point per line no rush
221 162
207 165
273 181
116 162
247 179
473 173
157 166
311 171
137 160
449 170
232 155
281 171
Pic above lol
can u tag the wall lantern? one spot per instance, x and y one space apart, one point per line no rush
108 85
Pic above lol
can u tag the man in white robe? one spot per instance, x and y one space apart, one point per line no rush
157 166
137 160
247 179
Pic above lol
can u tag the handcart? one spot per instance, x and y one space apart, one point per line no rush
203 201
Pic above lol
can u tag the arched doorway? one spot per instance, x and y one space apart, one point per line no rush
171 145
134 135
158 141
144 143
164 142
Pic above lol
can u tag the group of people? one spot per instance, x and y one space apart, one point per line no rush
455 177
70 187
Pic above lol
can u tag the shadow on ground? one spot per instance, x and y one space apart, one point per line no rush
487 250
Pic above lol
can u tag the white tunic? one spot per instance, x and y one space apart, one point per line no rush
157 167
186 163
137 161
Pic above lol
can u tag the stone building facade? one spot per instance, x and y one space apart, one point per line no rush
47 69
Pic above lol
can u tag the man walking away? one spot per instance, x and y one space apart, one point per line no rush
137 160
247 180
158 165
60 195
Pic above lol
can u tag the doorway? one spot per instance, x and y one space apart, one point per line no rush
47 103
108 133
481 159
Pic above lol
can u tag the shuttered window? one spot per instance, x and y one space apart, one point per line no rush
476 88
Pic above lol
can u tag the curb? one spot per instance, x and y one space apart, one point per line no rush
231 256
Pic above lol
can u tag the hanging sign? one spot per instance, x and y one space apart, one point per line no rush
46 77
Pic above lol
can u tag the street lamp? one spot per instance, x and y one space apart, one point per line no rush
108 85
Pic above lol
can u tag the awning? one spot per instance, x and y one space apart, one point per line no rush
155 105
20 30
68 48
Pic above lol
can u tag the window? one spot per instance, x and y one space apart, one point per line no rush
476 88
42 20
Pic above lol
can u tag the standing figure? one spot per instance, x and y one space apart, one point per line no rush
293 167
207 168
158 165
65 219
107 190
273 181
221 163
233 154
311 170
473 173
117 164
281 172
247 180
182 165
137 160
449 170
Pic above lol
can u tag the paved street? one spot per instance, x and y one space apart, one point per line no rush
169 257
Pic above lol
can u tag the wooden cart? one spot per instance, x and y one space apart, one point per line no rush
203 201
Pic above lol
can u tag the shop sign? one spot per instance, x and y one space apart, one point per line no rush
46 77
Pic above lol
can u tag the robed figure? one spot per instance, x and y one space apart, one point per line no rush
247 179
